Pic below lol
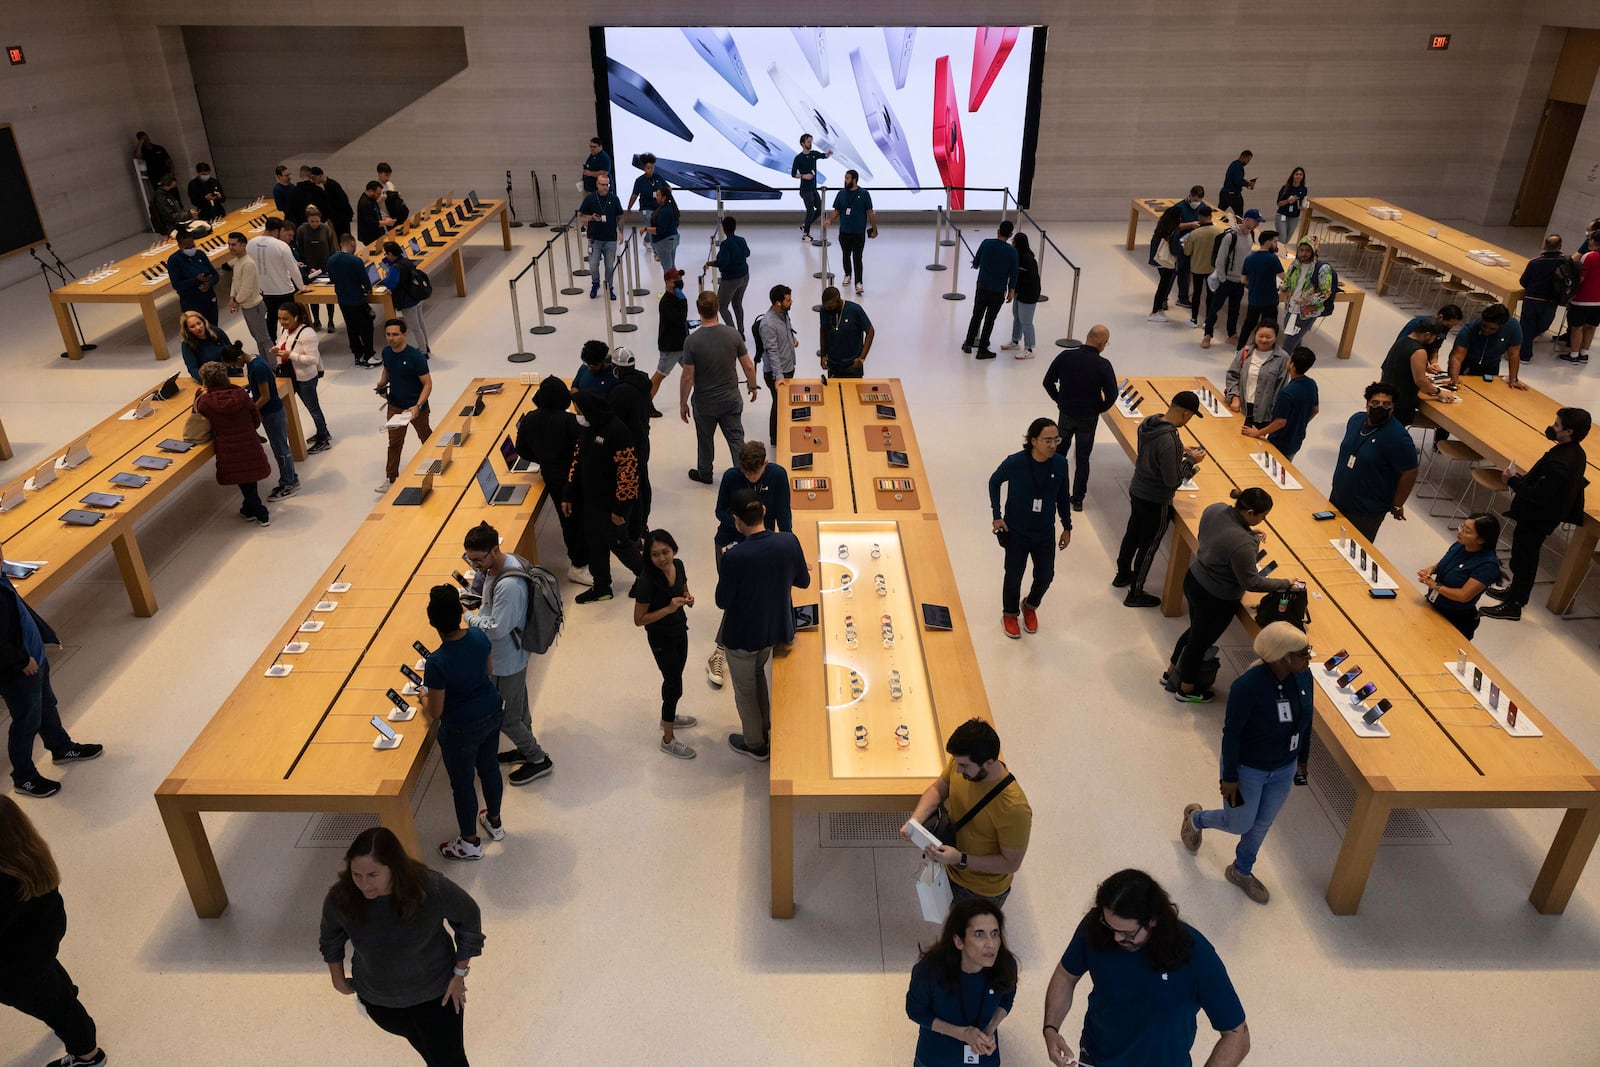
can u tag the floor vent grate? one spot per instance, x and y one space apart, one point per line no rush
336 829
862 829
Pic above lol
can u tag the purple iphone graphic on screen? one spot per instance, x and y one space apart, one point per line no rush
813 42
716 47
763 147
881 120
825 133
634 94
990 47
899 41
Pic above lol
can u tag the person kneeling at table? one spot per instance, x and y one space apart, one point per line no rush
1266 742
1457 582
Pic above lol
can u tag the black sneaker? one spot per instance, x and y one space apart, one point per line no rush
1569 357
263 519
36 787
985 353
1583 358
1497 594
69 1060
1122 580
592 596
654 414
760 755
279 492
1077 505
530 772
1169 681
1140 599
510 755
1505 611
321 445
77 754
696 476
1199 696
966 346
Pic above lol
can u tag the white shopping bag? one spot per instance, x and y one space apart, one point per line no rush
933 891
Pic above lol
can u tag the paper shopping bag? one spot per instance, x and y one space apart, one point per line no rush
933 891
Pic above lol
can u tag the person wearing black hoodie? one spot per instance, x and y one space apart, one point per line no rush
602 489
630 400
548 436
1161 465
1542 499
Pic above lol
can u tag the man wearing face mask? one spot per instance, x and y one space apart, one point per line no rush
672 329
988 810
1377 465
1189 210
1548 495
193 277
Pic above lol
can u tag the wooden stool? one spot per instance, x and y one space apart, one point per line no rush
1486 478
1427 280
1371 248
1453 453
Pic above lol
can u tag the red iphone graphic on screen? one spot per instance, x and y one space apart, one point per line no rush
948 152
990 47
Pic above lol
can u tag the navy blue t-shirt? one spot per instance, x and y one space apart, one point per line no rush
1295 402
1484 351
844 332
1139 1017
1369 466
1233 180
997 265
733 258
259 379
852 206
349 277
596 161
1261 269
460 669
644 187
665 220
406 368
609 208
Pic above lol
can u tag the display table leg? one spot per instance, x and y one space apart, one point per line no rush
291 407
152 326
131 563
460 269
1133 226
69 336
395 814
781 835
1568 853
1383 272
1352 317
1574 565
192 849
505 228
1360 848
1177 567
5 444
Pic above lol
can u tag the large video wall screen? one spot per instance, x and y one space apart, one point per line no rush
905 107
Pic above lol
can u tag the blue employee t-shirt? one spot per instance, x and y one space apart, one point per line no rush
1295 402
1233 180
610 210
260 380
1261 269
596 161
844 332
665 221
852 206
733 258
1484 351
644 187
806 163
1369 466
349 277
1460 566
1139 1017
1411 326
460 669
406 368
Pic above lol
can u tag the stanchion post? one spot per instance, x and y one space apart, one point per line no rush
950 221
518 354
611 341
639 288
822 199
1044 246
555 196
955 273
566 246
511 206
824 274
550 262
538 295
538 198
629 266
1005 204
938 216
1071 341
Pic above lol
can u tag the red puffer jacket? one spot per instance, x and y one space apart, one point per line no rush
234 418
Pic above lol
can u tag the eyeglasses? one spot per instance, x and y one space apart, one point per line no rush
1380 404
1127 937
1305 653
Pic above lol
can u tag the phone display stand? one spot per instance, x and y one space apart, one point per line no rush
420 666
396 715
1383 582
1281 478
409 690
883 437
279 670
1216 407
811 492
1524 728
1340 698
383 744
878 393
808 438
1189 485
897 493
1130 413
875 672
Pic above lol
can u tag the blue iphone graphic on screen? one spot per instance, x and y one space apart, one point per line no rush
716 47
767 149
813 42
881 121
632 92
825 133
899 41
702 180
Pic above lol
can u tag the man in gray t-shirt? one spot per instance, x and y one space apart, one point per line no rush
713 355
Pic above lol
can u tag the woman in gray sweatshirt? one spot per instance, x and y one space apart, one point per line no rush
409 973
1222 571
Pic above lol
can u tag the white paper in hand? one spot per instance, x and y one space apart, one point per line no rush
399 422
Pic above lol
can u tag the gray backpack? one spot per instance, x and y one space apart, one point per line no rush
542 625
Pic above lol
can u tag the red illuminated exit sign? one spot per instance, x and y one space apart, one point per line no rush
1438 42
14 53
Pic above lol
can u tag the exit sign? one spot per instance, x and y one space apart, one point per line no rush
1438 42
14 53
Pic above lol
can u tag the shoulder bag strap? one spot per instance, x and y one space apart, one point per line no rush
980 805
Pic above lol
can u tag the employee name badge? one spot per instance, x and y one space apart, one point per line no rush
1285 713
847 211
969 1056
1038 505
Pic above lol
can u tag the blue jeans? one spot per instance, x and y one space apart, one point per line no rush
1288 226
1304 325
667 252
1022 323
1537 315
1264 793
647 216
468 749
32 704
276 426
307 392
608 249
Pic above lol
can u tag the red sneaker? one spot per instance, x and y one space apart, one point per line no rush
1012 629
1030 618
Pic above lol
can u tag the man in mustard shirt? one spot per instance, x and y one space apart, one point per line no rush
991 844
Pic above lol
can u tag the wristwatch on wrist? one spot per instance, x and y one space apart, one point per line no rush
460 972
963 864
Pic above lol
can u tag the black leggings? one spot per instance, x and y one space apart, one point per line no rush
434 1030
1209 618
671 650
48 995
850 246
252 506
1163 288
813 202
1147 524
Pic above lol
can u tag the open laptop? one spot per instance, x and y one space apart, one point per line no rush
473 204
514 462
374 275
494 492
442 464
416 249
416 494
461 435
445 229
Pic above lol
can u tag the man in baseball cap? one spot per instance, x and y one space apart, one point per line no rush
672 329
1160 467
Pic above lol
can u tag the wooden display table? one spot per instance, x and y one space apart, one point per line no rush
129 286
1352 295
303 742
5 444
1446 252
32 530
812 768
1444 750
1501 424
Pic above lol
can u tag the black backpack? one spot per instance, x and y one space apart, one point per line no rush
542 624
1292 606
1333 291
415 285
1564 281
757 349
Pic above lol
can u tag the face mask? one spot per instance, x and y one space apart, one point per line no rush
582 421
1550 433
190 251
1378 416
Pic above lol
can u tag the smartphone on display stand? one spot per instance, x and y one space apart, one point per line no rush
1373 714
1333 661
1347 677
1364 692
411 676
1477 679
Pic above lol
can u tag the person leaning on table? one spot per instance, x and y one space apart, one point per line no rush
408 972
1469 567
963 987
1266 743
1542 499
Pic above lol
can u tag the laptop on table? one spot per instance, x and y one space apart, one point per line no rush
496 493
514 462
416 494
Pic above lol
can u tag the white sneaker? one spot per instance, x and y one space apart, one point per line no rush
496 833
1009 345
677 748
1026 353
683 722
1192 324
383 486
579 576
1157 317
716 667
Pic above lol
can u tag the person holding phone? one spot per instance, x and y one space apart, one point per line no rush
1266 744
409 973
1037 490
663 232
193 277
460 697
775 345
1457 582
963 987
298 347
1222 572
661 600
